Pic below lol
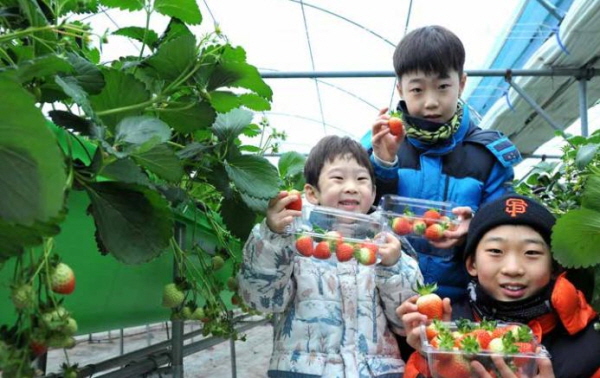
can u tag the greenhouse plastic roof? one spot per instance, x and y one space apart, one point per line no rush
356 38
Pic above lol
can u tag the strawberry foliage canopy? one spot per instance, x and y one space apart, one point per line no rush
165 132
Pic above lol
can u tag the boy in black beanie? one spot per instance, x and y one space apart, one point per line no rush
515 279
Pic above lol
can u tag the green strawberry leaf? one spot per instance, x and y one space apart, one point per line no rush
142 131
575 238
585 155
162 161
238 216
253 175
229 126
130 5
32 173
185 10
133 223
591 194
145 36
123 92
174 57
47 65
188 115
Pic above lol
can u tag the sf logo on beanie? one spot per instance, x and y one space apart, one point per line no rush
515 206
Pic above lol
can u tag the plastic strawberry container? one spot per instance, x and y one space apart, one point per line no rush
338 232
451 357
406 216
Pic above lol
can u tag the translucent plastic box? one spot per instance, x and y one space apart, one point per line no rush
343 234
416 217
450 352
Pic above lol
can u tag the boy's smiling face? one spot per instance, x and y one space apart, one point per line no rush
431 96
511 262
343 184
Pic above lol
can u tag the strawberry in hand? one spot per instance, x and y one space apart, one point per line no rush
297 204
396 126
429 303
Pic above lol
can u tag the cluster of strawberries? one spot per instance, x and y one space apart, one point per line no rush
332 242
430 225
453 345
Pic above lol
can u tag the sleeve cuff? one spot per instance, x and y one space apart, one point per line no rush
384 163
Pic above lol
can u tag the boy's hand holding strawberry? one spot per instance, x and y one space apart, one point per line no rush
408 311
456 237
279 216
389 252
385 143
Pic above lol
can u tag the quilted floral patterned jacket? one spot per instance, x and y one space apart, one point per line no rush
335 319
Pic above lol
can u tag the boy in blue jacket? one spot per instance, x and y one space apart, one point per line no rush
439 154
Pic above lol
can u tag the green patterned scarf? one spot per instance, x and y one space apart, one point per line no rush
427 131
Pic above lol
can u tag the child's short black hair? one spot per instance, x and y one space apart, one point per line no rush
328 149
431 50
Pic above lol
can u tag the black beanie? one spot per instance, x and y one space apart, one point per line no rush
512 209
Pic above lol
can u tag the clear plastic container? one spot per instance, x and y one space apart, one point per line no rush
447 358
406 216
337 233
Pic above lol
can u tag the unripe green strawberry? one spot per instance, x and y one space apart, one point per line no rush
186 312
198 314
62 279
172 296
232 284
23 296
70 327
217 262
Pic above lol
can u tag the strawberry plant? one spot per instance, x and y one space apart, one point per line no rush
164 132
570 188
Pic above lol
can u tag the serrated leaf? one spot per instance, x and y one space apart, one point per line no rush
230 125
71 122
125 170
142 130
42 67
185 10
185 118
291 163
253 175
71 87
88 76
238 217
575 239
254 102
122 91
143 35
591 194
585 154
32 173
194 150
224 101
174 57
162 161
131 5
133 222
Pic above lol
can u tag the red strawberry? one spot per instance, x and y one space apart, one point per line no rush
419 227
483 337
395 125
304 245
524 348
37 347
62 279
345 252
431 216
322 250
297 204
434 232
372 246
402 226
365 256
428 303
456 367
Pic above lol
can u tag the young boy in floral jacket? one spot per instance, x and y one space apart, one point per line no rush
336 317
515 279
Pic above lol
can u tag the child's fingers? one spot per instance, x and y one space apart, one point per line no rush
447 306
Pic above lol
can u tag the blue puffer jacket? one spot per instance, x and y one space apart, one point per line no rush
470 169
